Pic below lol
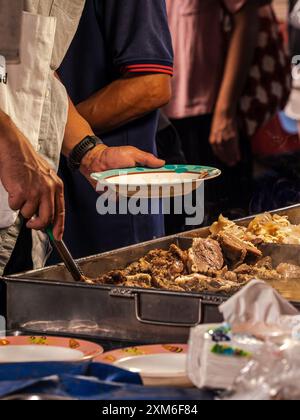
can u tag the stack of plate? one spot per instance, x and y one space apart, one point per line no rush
158 365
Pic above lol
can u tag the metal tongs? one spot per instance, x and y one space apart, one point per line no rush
67 258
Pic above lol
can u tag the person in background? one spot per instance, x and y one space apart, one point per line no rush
118 72
278 143
210 76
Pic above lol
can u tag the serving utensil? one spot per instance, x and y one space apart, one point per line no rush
67 258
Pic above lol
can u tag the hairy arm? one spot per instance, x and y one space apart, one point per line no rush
77 129
32 185
101 158
125 100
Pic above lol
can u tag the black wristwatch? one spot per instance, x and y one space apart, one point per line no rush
79 151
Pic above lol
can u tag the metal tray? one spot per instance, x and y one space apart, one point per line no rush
48 300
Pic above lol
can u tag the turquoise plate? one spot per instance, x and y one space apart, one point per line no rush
156 182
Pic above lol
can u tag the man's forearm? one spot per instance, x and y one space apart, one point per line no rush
9 137
239 57
5 126
125 100
77 129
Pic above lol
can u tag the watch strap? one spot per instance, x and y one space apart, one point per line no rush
81 149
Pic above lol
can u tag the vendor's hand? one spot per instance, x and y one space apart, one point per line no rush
33 187
224 139
103 158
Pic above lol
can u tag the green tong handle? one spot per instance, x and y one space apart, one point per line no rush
66 256
49 231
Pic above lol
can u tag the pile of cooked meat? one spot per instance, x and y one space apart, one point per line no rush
222 263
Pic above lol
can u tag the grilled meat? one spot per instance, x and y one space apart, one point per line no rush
116 278
193 282
230 276
237 251
139 280
205 256
158 269
202 268
266 263
262 272
200 283
167 266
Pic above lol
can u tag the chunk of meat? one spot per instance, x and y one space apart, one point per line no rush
226 225
205 255
167 266
221 286
266 263
231 276
244 269
139 280
236 251
289 271
266 275
244 279
248 272
223 274
192 282
116 278
179 253
161 283
199 283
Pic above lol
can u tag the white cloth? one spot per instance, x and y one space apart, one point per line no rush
255 304
23 97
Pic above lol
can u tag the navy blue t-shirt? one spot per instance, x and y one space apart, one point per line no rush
114 37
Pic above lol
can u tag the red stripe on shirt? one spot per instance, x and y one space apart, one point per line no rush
150 68
149 65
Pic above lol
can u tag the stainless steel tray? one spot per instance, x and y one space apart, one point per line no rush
48 300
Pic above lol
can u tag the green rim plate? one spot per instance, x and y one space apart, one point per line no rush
176 169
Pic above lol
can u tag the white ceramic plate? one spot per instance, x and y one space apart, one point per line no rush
27 354
168 181
158 365
46 349
155 365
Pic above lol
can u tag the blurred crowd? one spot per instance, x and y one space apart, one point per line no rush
232 107
235 104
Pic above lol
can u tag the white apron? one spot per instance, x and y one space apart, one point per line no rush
23 97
